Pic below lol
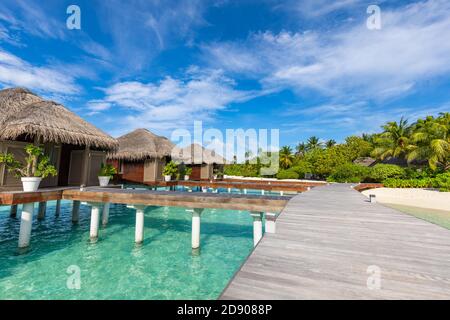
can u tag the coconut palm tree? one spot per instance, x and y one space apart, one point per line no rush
330 143
394 141
431 139
313 143
286 157
301 149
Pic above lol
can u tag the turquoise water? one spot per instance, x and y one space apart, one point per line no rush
164 267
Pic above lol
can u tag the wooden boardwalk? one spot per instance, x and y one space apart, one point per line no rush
326 240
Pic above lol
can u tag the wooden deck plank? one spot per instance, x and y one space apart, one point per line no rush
258 203
328 237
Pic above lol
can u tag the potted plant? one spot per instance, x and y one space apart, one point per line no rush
187 173
106 173
170 169
37 167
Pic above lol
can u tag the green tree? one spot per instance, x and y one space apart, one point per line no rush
286 157
301 149
431 140
313 143
394 141
330 143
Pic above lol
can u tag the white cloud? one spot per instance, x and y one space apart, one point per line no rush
17 72
172 103
413 46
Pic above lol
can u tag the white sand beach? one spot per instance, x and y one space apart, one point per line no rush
420 198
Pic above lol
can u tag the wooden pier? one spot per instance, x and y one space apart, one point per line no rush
331 243
100 199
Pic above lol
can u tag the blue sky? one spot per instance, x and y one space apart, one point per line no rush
304 67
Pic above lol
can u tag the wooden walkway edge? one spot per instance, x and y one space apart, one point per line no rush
331 243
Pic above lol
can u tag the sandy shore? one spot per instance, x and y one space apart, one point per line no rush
420 198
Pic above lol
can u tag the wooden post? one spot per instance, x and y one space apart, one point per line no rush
13 211
105 216
270 226
42 210
76 211
26 223
58 208
85 167
195 239
257 227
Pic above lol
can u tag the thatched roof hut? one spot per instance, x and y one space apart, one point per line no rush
25 114
196 154
141 144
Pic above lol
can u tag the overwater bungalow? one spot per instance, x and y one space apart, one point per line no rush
141 156
74 146
204 162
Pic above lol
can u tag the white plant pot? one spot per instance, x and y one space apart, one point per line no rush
215 177
104 181
167 178
186 177
31 184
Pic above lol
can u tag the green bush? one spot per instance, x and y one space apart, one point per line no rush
302 168
442 181
287 174
381 172
245 170
409 183
349 172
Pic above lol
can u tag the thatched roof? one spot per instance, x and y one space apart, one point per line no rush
365 161
24 113
196 154
141 144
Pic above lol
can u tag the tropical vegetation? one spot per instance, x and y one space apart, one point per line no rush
36 164
416 153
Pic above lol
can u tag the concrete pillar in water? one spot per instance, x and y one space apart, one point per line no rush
76 212
95 220
140 216
257 227
42 209
270 226
196 214
13 211
58 208
105 215
26 223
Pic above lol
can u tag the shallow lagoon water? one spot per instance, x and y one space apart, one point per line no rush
164 267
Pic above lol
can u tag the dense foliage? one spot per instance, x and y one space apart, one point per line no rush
107 170
422 149
36 163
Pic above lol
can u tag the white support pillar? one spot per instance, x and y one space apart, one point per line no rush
270 226
262 192
105 215
196 213
245 191
42 209
13 211
281 193
26 223
95 220
58 208
229 190
257 227
76 212
140 216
